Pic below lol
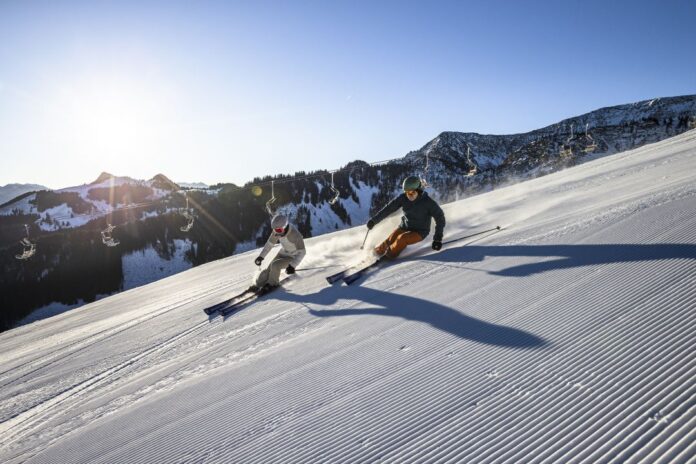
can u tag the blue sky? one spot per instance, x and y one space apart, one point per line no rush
225 91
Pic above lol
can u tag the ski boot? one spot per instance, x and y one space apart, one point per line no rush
266 289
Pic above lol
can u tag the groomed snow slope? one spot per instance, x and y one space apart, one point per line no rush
566 337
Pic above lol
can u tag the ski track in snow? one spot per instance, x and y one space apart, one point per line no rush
565 337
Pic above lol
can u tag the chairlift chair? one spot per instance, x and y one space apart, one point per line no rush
107 239
473 169
29 249
592 145
424 177
269 209
336 193
189 218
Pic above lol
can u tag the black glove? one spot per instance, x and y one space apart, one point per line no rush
258 261
437 245
289 269
370 224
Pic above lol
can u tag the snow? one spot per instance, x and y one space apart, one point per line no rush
565 337
144 266
65 215
53 309
22 205
193 185
360 212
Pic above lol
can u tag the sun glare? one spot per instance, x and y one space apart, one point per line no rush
112 117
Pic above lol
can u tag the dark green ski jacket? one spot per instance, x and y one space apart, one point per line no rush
417 214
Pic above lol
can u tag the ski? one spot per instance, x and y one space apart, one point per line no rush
333 278
217 307
352 277
336 277
228 307
226 311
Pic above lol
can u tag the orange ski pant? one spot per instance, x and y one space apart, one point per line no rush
397 241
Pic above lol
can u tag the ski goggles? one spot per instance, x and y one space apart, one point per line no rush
410 192
279 230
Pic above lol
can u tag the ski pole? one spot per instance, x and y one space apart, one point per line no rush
496 228
365 240
315 268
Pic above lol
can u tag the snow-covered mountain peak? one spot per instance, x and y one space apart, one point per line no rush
109 179
163 182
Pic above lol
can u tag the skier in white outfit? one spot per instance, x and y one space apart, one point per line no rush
289 257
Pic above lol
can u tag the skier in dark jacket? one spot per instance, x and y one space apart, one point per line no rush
419 210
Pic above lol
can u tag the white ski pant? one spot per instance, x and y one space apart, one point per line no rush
271 275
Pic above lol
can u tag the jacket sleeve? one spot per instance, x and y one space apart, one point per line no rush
439 216
391 207
272 240
300 252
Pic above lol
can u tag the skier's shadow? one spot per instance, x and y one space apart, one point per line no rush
415 309
566 256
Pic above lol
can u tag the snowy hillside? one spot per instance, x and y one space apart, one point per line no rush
65 215
10 191
566 337
505 159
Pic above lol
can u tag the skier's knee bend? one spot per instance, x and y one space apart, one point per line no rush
402 241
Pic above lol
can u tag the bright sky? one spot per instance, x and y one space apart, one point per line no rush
225 91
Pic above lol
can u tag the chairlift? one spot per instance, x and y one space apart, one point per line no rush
424 177
566 151
336 193
189 218
29 247
473 169
567 148
590 148
269 209
107 239
592 145
568 140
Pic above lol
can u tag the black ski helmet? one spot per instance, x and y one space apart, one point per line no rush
411 183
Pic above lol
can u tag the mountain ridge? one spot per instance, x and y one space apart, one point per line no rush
158 218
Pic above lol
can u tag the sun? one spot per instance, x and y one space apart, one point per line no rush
112 116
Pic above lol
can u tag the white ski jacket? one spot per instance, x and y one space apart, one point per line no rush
292 245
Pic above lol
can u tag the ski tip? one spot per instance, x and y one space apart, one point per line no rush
350 280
